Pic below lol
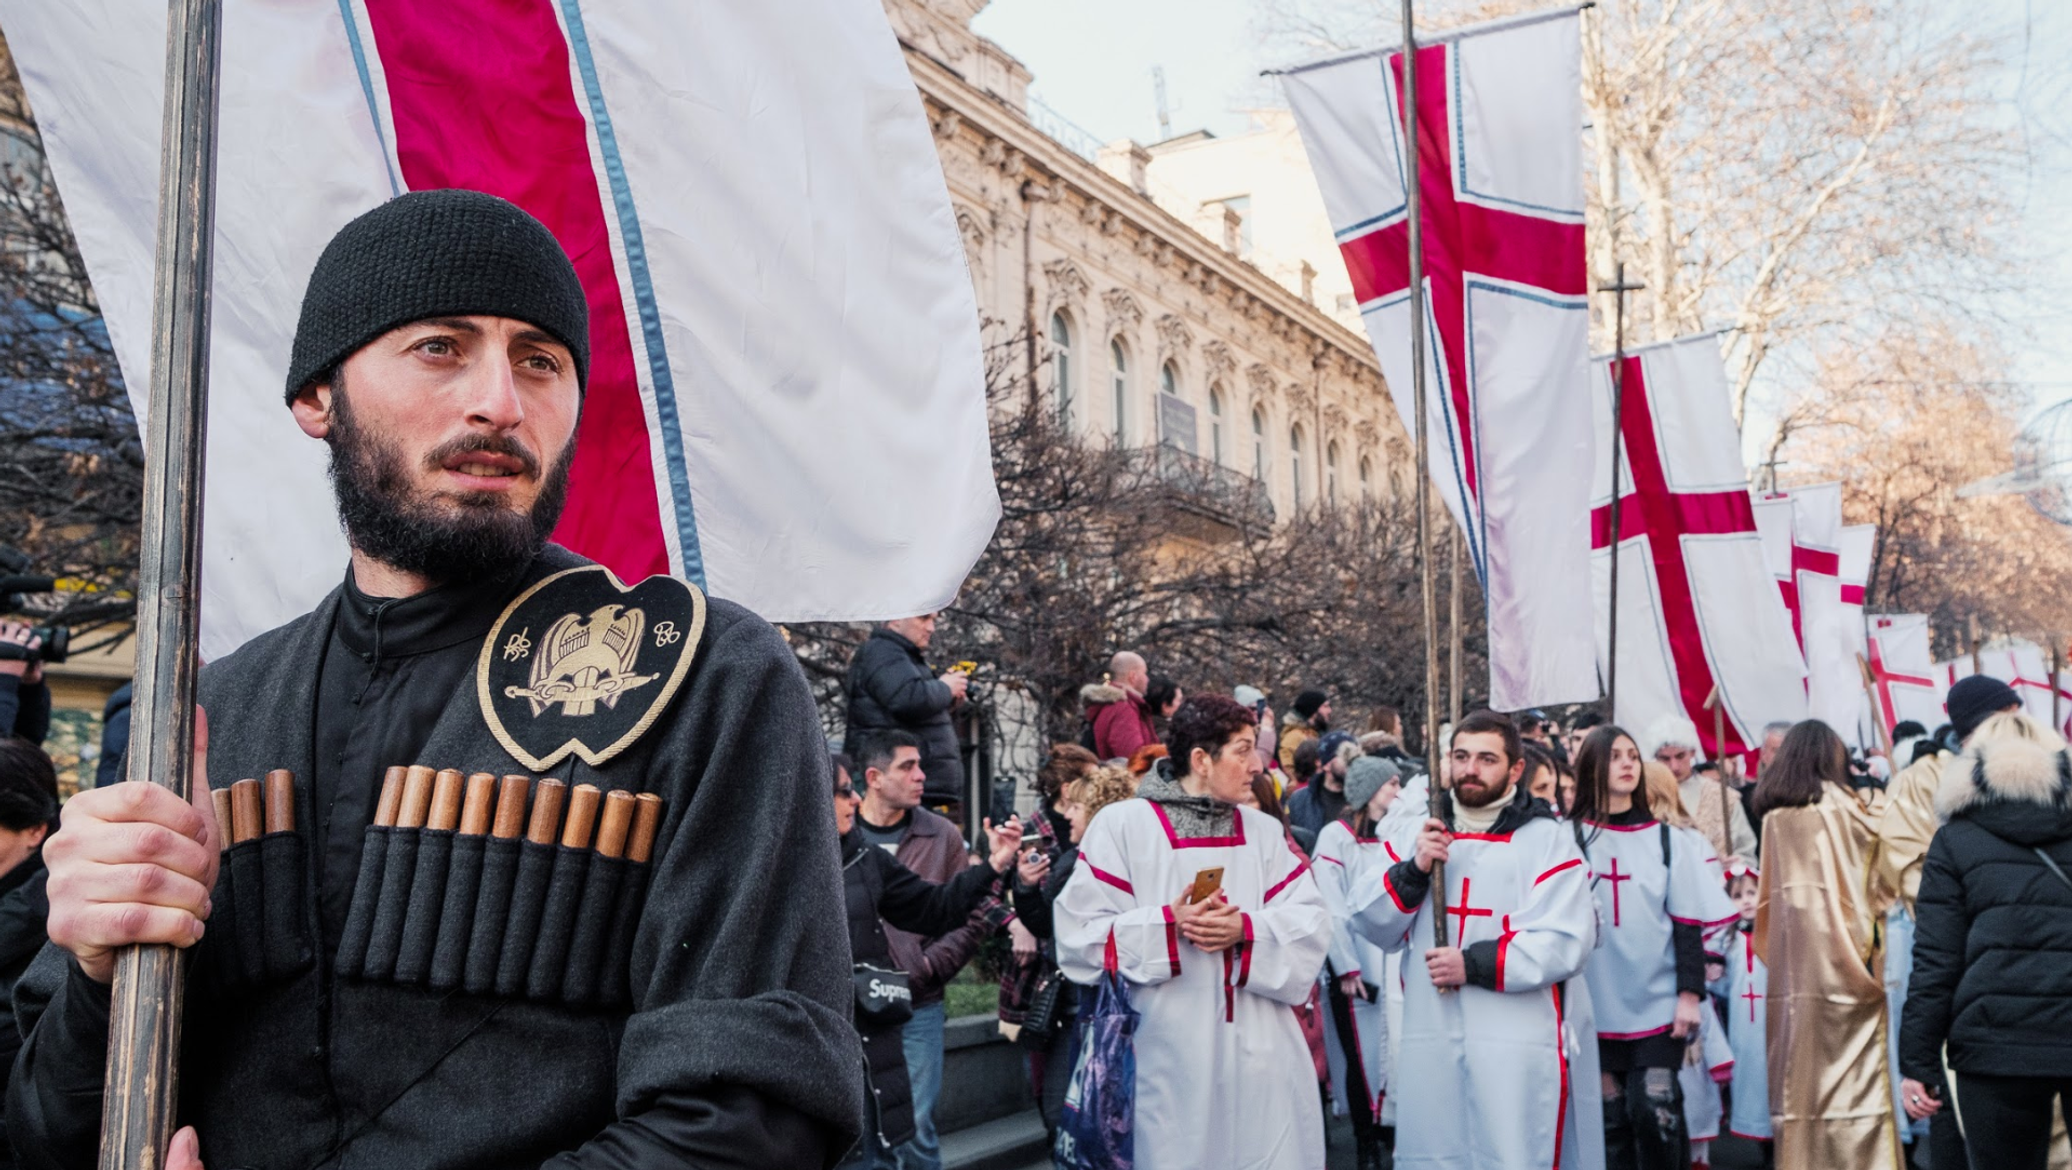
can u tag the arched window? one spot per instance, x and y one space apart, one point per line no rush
1331 472
1295 463
1120 379
1169 380
1216 424
1366 478
1258 444
1061 364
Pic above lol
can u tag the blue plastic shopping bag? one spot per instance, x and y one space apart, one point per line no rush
1095 1132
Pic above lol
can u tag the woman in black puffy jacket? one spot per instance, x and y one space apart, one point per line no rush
876 890
1992 975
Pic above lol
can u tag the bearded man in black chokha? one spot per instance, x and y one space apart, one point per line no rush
545 884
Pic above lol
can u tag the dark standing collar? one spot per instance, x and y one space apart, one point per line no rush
399 627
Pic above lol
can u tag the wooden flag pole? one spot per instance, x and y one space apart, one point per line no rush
2057 700
1453 697
142 1085
1426 577
1618 288
1719 757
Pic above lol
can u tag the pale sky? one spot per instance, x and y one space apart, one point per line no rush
1093 63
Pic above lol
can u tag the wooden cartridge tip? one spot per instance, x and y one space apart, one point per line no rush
547 798
511 795
647 820
245 817
391 795
224 817
615 823
446 788
280 801
474 813
417 797
582 816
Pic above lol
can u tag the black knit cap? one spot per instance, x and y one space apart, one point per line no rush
1976 698
436 254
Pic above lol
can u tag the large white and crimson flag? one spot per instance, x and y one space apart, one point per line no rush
1905 682
786 393
1698 606
1507 311
1801 531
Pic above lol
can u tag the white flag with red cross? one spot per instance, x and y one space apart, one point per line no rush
787 394
1906 683
1802 545
1698 606
1499 127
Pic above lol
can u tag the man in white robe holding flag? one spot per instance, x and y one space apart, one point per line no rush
1219 929
1490 1062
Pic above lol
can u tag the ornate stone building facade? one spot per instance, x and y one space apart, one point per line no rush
1147 324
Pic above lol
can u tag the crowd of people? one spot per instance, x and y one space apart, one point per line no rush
1596 946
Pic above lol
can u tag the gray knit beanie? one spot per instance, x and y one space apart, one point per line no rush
1365 776
436 254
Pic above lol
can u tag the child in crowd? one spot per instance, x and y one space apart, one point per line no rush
1746 984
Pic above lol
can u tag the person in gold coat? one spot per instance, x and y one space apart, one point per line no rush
1819 914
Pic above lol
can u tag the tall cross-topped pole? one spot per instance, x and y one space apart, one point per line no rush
1426 577
142 1084
1618 288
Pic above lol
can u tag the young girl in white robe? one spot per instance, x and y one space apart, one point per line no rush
1647 978
1748 1016
1224 1077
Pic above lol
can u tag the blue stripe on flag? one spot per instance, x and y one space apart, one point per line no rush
643 297
352 36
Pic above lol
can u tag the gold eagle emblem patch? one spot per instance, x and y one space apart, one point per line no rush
610 660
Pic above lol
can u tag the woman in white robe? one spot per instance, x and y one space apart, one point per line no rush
1224 1076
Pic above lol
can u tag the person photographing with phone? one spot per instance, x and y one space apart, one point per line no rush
1213 960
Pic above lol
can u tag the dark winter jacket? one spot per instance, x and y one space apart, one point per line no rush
709 1025
24 708
24 907
1122 723
1313 806
891 689
876 887
1992 972
933 849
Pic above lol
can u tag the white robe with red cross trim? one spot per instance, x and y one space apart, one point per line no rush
1748 1023
1224 1076
1701 1078
1485 1079
1338 855
1633 975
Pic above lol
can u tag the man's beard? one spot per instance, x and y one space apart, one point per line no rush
475 536
1484 796
1320 723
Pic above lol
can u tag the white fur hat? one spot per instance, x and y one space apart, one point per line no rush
1668 730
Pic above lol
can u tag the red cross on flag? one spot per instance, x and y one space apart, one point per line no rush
1905 683
1499 117
1697 604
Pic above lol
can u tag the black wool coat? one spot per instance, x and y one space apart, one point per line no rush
890 688
729 1013
1992 971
